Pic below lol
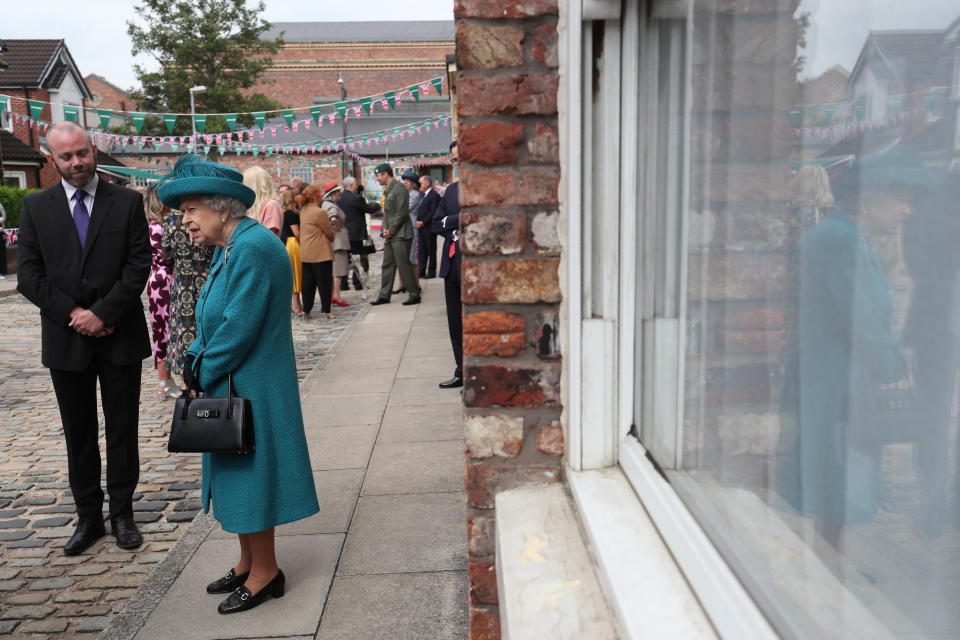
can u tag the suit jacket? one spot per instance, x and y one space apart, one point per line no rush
355 207
446 222
106 275
396 211
428 206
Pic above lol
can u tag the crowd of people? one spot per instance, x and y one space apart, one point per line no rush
228 262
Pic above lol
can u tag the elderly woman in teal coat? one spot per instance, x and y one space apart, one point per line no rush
243 329
846 349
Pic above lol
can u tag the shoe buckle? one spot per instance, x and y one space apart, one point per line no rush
244 595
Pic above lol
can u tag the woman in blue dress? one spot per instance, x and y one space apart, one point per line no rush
243 329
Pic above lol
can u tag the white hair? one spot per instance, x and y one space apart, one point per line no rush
348 182
234 207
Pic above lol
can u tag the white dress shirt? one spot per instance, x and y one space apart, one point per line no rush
90 191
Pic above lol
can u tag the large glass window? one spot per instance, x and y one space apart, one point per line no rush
798 337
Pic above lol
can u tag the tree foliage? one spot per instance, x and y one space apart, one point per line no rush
213 43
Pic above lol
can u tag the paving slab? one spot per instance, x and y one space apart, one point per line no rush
406 534
414 366
341 411
422 423
355 382
187 611
415 467
381 606
337 492
341 447
437 344
419 391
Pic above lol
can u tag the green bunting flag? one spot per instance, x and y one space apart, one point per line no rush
206 149
930 98
342 109
231 119
415 91
859 109
36 108
105 117
4 103
829 109
796 117
175 146
69 112
170 119
288 116
138 120
367 105
200 121
255 150
894 103
260 117
391 97
438 83
316 113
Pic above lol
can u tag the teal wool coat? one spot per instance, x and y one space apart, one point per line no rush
243 328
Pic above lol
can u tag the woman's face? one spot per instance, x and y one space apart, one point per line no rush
885 212
204 224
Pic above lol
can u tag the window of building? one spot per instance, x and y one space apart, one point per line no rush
15 179
304 173
792 336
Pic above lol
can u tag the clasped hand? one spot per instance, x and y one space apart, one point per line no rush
86 323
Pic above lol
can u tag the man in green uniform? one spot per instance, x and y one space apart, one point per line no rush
398 234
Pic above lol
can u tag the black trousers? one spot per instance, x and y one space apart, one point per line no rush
451 291
428 252
317 275
120 397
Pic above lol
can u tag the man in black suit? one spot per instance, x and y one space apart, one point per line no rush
446 222
428 239
355 209
84 260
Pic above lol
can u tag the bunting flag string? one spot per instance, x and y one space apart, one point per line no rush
353 107
858 105
841 130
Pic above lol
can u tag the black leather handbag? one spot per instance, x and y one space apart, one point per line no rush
212 425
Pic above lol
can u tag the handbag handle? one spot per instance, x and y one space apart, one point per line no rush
183 412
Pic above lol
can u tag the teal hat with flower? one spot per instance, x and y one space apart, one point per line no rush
193 176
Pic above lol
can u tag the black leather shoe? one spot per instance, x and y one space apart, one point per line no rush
452 383
88 531
380 301
126 532
242 600
227 583
399 291
411 300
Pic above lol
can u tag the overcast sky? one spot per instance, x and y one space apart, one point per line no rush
838 28
96 32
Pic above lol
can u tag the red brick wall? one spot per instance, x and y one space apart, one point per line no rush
384 68
507 107
109 96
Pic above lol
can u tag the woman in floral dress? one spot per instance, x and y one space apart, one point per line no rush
190 264
158 294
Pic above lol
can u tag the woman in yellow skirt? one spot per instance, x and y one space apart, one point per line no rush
290 236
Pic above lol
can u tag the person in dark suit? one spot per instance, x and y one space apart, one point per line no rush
428 239
84 260
355 207
446 222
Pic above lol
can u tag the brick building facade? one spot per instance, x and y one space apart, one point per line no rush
507 107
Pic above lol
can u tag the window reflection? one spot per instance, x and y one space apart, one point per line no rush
820 431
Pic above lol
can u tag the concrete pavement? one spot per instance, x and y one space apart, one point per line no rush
386 556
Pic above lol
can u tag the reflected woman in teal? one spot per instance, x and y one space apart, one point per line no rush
846 351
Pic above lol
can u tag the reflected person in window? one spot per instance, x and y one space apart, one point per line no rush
846 348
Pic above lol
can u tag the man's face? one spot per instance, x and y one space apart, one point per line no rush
424 184
455 156
74 156
382 177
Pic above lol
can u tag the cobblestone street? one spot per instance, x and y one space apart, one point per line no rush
42 592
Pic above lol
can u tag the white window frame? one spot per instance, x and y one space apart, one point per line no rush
21 177
301 172
600 319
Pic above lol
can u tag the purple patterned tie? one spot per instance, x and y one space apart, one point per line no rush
80 216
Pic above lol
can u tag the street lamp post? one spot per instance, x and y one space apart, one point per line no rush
193 112
343 97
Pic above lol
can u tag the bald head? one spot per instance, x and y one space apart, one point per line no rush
74 155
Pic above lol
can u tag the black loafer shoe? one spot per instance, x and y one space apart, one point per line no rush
411 300
126 532
227 583
88 531
452 383
380 301
242 600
